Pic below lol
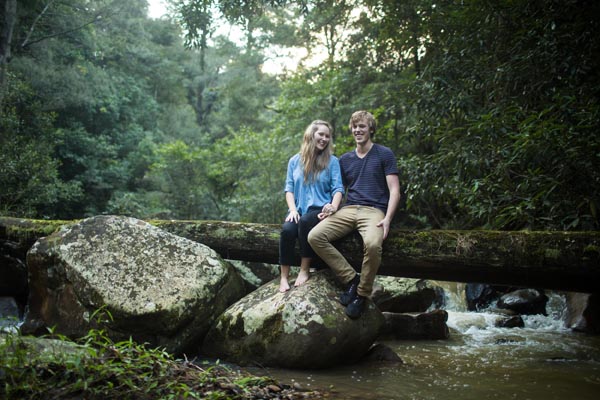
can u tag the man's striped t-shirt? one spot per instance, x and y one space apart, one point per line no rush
365 178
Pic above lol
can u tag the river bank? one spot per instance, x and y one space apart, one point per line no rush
95 367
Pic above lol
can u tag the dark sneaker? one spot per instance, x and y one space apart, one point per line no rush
356 307
350 293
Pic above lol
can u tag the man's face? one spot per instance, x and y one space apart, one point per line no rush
361 131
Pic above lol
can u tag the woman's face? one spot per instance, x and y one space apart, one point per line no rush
322 137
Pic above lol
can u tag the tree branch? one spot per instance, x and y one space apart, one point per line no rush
27 42
32 28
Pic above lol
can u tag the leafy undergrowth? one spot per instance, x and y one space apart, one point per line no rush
95 367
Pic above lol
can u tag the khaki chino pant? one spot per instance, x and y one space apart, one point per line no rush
344 221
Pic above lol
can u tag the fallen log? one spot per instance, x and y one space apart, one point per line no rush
555 260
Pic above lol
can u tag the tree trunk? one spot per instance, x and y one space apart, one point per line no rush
8 20
567 261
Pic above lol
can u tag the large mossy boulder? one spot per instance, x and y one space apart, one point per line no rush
157 288
305 327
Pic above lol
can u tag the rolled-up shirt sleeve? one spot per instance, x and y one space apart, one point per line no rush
336 176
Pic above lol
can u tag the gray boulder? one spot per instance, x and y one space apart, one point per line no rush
305 327
382 353
583 312
421 326
256 274
404 295
524 301
158 288
507 321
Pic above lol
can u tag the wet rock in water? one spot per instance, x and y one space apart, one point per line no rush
524 302
382 353
159 288
514 321
9 312
305 327
480 296
583 312
510 340
427 326
13 275
403 295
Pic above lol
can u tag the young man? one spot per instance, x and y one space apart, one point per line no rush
370 177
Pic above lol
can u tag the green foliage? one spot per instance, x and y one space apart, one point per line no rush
179 174
28 172
99 82
95 367
506 130
491 107
248 168
242 96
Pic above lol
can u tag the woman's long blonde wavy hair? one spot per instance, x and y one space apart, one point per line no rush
315 161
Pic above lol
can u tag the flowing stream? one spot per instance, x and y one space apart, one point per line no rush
542 361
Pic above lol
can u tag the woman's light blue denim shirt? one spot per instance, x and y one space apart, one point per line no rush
317 193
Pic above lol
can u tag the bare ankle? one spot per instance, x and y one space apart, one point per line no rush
302 277
284 285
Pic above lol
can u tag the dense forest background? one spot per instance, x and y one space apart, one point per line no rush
490 106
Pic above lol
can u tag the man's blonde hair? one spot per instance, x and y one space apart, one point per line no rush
363 115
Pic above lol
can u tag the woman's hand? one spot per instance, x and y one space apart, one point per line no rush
329 209
322 216
326 211
293 216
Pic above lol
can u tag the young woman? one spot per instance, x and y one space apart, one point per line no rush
313 191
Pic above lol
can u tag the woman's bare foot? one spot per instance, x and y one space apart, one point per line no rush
302 277
284 286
